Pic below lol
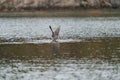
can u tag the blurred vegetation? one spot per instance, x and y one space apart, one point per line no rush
22 5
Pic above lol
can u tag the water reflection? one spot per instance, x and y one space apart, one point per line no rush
94 54
100 48
55 48
85 60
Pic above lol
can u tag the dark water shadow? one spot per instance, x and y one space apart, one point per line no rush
55 49
106 49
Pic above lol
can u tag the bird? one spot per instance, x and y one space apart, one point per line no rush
55 34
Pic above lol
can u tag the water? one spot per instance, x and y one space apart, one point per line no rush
22 29
88 48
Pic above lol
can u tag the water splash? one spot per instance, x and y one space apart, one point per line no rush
27 29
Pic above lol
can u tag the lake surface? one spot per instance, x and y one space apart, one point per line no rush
88 48
13 29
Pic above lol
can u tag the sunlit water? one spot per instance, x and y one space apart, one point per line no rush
22 29
88 49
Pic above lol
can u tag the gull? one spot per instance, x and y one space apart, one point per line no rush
55 34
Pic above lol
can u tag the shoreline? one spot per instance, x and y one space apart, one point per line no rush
63 13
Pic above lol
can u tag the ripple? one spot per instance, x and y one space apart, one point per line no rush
21 29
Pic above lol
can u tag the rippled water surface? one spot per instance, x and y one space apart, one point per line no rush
88 49
13 29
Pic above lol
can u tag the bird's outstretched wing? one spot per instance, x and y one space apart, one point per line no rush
55 34
57 31
51 29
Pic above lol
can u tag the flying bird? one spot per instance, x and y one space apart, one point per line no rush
55 34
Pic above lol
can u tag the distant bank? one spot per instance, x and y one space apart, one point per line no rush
23 5
64 13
